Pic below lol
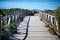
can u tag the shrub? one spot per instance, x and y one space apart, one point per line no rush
21 18
58 30
41 19
4 22
5 31
13 27
57 17
4 28
51 30
47 25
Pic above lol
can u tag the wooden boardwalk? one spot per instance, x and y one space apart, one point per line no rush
21 29
36 30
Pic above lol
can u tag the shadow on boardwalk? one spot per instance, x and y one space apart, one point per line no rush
27 29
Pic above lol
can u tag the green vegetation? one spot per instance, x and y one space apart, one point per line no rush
4 22
4 28
12 10
41 19
5 31
8 30
57 17
58 30
47 25
21 18
13 27
49 12
52 31
8 11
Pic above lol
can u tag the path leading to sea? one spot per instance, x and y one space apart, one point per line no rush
33 29
38 31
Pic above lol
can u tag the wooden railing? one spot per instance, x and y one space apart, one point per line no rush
50 19
11 18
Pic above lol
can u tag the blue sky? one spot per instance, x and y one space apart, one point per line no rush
32 0
30 4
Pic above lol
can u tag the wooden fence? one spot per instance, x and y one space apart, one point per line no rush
49 19
11 18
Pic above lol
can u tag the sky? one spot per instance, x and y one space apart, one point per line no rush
30 4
